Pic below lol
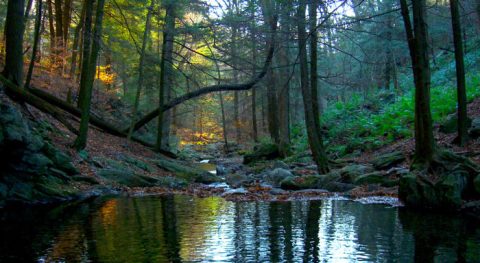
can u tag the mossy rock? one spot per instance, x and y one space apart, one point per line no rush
349 173
184 171
388 160
267 151
60 160
301 182
138 163
276 176
371 178
125 177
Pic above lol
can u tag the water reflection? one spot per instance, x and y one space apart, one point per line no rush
186 229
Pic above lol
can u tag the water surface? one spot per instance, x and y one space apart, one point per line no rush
187 229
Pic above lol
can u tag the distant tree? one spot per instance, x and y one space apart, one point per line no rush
460 69
418 46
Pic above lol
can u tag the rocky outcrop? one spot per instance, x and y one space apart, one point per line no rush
452 185
32 170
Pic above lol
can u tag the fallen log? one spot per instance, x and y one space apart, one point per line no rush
48 103
17 93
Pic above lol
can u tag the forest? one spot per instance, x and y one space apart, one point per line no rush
319 130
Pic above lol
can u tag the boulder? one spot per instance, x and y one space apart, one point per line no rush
262 152
387 161
474 131
131 179
276 176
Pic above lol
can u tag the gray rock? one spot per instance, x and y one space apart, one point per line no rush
388 160
349 173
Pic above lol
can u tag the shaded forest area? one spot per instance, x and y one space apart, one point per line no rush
357 96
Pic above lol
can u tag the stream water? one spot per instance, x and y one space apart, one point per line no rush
187 229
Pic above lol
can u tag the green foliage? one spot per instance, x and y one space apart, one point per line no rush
366 122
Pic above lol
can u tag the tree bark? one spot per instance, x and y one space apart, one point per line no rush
14 28
460 70
315 142
417 41
254 72
88 72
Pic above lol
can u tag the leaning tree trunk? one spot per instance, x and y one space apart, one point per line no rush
14 27
88 71
460 68
314 138
417 42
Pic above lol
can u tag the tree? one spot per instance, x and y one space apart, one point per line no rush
418 46
14 28
141 67
36 41
166 68
90 54
460 70
314 138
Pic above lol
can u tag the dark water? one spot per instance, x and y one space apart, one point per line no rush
185 229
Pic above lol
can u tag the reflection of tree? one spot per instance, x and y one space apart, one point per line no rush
311 233
172 240
441 237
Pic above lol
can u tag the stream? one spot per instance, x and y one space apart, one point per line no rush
179 228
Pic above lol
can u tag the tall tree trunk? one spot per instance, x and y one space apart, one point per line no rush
75 51
315 142
141 65
233 52
460 68
165 67
272 107
254 72
36 40
283 92
88 70
14 28
419 52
